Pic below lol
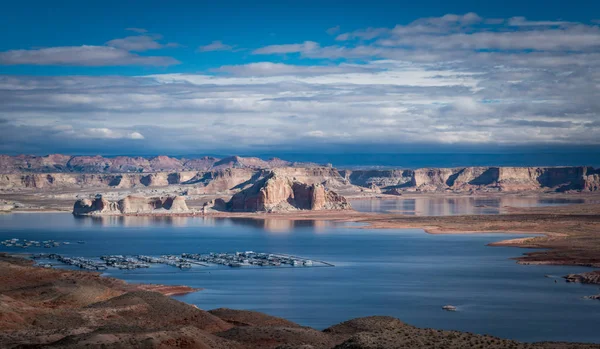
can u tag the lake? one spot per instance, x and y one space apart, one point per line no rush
404 273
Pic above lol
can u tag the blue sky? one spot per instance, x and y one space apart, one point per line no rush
185 77
246 24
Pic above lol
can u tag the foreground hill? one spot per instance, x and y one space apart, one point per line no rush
46 308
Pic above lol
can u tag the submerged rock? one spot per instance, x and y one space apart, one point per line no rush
592 277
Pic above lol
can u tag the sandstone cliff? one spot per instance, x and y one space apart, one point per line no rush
505 179
231 180
277 192
129 205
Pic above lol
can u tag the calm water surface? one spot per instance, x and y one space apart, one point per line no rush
403 273
460 205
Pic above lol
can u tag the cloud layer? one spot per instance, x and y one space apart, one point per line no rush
455 79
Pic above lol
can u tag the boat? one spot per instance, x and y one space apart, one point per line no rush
449 307
184 265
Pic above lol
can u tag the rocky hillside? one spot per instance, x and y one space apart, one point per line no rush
279 192
130 204
58 163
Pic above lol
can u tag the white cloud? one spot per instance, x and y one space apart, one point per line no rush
523 22
576 38
106 133
136 43
216 45
444 24
276 69
81 56
116 52
304 47
333 30
364 34
316 133
450 35
135 135
137 30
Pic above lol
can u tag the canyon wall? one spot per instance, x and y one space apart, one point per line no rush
130 205
232 180
505 179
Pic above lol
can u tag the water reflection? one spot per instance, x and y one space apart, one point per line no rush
131 221
420 206
282 225
275 225
449 206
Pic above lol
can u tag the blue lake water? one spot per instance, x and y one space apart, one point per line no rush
404 273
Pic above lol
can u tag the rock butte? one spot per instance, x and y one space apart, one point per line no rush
277 193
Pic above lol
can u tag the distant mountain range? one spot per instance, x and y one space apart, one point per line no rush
59 163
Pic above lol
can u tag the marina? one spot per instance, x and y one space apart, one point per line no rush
80 262
183 261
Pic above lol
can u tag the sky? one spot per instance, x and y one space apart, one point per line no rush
272 77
